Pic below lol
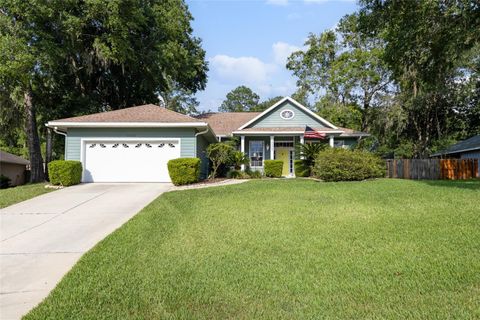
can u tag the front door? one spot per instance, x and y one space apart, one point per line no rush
284 154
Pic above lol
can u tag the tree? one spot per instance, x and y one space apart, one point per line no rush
181 101
344 66
240 99
66 58
262 106
219 154
425 42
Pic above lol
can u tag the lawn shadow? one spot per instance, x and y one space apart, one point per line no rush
472 184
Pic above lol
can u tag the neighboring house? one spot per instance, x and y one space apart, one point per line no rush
135 144
466 149
273 133
13 167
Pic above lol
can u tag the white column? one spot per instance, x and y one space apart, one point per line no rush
331 141
302 141
272 146
242 148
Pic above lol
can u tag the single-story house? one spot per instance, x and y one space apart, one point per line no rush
13 167
135 144
466 149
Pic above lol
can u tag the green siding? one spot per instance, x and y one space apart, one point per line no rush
202 145
348 143
74 136
273 119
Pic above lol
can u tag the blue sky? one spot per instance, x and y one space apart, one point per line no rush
247 41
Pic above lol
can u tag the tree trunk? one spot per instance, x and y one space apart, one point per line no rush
33 140
48 152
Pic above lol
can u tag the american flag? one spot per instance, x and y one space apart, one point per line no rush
312 134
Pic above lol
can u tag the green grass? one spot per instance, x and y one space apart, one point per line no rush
286 249
21 193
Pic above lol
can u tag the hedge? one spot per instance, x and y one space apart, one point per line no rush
184 170
336 164
65 172
273 168
301 168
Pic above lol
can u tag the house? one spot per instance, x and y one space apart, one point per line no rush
135 144
13 167
273 133
466 149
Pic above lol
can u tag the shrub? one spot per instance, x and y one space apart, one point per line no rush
337 164
301 168
184 170
65 172
4 182
273 168
238 158
255 175
219 154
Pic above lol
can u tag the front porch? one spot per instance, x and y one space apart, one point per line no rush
279 146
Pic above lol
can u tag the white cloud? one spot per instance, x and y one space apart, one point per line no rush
278 2
324 1
248 70
281 51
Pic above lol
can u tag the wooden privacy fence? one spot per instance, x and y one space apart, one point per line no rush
453 169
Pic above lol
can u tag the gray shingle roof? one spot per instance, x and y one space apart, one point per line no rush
11 158
472 143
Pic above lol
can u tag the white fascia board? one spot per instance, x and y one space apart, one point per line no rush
267 132
297 104
126 124
284 132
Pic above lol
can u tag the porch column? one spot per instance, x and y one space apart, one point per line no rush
272 146
242 148
331 141
302 141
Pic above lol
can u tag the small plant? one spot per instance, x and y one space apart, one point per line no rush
65 172
273 168
4 182
347 165
238 174
255 175
301 168
184 170
238 159
219 154
310 151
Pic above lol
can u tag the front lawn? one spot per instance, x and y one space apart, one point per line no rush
21 193
286 249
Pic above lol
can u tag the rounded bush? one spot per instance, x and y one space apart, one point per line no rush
65 172
337 164
273 168
184 170
301 168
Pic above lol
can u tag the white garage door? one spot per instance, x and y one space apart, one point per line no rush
128 161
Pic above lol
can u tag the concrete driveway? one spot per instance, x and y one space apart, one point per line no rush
42 238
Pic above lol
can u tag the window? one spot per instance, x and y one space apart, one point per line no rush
339 144
287 114
255 152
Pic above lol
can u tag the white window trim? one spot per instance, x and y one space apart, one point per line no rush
290 110
250 149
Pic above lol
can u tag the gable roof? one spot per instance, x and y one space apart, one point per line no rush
470 144
295 103
224 123
11 158
144 113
